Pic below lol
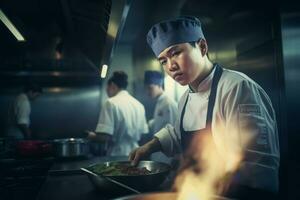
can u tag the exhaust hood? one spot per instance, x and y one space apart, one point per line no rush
67 41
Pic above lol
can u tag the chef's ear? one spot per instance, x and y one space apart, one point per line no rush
114 86
202 44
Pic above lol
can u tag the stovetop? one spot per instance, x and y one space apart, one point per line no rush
37 178
21 178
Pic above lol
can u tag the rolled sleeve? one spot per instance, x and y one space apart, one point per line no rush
102 128
169 140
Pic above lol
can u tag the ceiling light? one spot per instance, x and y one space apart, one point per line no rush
104 71
11 27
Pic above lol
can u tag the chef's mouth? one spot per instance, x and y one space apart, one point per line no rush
177 76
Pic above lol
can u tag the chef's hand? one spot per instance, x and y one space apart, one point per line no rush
89 134
139 153
144 151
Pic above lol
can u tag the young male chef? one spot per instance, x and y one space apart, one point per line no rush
224 104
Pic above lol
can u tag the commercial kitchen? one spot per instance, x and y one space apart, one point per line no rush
70 49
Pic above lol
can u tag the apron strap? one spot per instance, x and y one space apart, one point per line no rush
182 131
213 94
211 102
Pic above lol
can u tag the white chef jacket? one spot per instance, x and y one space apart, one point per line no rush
19 113
123 117
242 108
165 112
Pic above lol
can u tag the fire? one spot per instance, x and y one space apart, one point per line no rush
204 172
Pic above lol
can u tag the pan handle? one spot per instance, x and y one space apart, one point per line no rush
112 180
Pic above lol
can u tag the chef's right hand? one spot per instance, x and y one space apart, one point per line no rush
144 151
89 134
139 153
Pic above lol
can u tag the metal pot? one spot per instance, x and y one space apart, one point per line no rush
71 147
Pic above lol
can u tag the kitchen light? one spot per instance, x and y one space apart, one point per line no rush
104 71
11 27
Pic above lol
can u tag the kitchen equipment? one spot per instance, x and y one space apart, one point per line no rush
147 182
23 177
112 181
159 196
71 147
33 148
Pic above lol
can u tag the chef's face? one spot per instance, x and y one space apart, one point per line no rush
111 89
33 95
153 90
183 62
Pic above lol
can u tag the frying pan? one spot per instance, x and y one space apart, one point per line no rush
147 182
112 181
159 196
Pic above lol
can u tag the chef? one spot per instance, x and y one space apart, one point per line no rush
122 119
165 111
18 126
217 99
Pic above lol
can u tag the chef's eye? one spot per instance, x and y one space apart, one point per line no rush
163 62
175 53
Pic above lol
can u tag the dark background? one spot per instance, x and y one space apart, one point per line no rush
259 38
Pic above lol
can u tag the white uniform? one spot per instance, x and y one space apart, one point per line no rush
123 117
242 108
19 113
165 112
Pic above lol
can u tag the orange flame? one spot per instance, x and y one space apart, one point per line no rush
204 172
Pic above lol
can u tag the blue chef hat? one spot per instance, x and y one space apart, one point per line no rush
175 31
153 77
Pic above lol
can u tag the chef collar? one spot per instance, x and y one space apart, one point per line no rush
204 85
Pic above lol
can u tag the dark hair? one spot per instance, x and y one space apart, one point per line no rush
33 87
119 78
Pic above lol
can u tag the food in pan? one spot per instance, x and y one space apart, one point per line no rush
119 169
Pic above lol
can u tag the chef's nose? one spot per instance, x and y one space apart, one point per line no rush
172 65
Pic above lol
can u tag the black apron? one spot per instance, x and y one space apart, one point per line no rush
187 136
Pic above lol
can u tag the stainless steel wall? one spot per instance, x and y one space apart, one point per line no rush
60 111
291 60
290 25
